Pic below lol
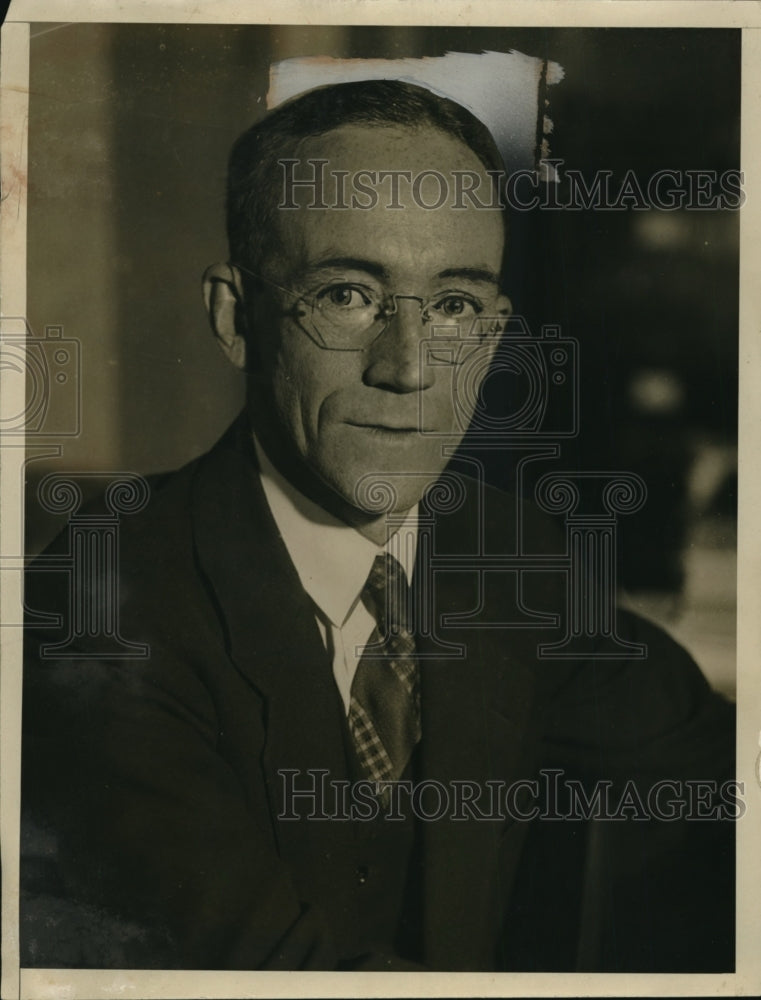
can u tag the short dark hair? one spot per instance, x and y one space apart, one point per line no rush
252 179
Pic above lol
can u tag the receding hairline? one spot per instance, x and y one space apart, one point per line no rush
367 104
413 128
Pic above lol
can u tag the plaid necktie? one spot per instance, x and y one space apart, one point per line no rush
384 713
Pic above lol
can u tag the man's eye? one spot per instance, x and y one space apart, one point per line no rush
344 297
457 306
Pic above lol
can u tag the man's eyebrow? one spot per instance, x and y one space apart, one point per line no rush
370 267
481 274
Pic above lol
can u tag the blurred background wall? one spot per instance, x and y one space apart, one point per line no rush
130 127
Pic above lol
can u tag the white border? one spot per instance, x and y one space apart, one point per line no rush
502 13
43 984
14 104
749 527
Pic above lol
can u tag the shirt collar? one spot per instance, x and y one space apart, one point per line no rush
333 559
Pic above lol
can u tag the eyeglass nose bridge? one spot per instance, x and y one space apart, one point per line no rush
391 306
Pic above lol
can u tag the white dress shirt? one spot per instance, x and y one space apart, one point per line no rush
333 561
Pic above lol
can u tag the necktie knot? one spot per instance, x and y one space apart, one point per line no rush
386 595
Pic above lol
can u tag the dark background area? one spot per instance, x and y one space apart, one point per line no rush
130 126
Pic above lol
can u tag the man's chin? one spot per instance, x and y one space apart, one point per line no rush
388 491
390 477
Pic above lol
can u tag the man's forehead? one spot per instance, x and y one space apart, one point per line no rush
392 195
392 246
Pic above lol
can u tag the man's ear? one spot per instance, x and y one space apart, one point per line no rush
223 298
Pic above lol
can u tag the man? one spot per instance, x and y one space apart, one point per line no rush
233 800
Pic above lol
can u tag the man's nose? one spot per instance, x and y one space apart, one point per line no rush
396 360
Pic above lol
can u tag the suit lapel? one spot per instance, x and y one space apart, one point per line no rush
272 634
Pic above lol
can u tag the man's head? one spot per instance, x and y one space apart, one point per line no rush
346 311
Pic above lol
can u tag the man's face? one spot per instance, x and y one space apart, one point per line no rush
385 414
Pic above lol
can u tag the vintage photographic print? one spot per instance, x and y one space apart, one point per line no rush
370 473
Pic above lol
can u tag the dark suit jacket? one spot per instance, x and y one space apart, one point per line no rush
151 790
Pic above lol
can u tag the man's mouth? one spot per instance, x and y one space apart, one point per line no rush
385 428
388 431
